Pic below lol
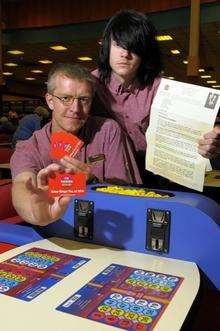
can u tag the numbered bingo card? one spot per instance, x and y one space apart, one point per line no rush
124 297
27 275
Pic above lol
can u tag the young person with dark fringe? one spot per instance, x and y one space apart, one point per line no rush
128 75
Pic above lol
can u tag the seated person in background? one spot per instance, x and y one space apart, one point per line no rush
70 93
8 125
5 125
13 114
30 123
5 130
13 118
3 118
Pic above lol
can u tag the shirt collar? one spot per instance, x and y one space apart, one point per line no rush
116 87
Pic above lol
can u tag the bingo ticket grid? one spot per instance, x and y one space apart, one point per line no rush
124 297
27 275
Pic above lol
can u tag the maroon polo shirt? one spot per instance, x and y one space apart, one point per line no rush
130 107
100 136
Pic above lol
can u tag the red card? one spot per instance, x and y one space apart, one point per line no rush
63 143
65 184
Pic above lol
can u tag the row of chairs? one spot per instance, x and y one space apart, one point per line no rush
5 154
7 211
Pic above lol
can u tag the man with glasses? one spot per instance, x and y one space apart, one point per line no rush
70 91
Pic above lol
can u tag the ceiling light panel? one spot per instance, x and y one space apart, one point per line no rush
58 48
15 52
84 58
7 73
45 61
164 38
175 51
11 64
35 71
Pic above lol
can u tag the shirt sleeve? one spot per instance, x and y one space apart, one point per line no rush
25 158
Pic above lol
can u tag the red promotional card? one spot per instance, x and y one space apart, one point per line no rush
64 144
64 184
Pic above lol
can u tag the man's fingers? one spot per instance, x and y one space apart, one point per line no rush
30 186
209 150
205 153
63 201
209 142
44 174
58 208
214 134
211 135
75 165
209 145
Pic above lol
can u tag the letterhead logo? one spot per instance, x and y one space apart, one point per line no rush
211 100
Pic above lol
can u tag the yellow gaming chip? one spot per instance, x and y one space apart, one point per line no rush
137 192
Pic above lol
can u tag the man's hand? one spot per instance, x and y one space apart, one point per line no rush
209 146
72 165
45 209
30 192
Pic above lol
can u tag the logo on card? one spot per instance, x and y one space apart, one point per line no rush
66 181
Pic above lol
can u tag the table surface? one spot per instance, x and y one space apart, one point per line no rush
4 165
212 178
5 144
40 313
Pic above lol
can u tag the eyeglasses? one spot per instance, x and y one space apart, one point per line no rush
68 100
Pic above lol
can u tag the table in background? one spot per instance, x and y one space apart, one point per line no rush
212 178
4 165
5 171
212 185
